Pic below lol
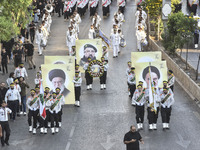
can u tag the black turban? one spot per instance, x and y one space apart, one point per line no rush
90 46
56 73
153 69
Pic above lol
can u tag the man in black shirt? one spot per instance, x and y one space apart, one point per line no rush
32 31
29 49
4 60
132 139
17 53
3 91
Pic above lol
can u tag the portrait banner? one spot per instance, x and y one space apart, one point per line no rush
139 57
88 48
59 75
69 60
158 73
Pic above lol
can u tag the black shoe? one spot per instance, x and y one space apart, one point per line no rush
30 68
7 143
34 66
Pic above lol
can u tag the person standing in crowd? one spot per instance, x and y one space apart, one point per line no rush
4 60
104 76
128 71
23 86
55 108
167 100
17 55
171 80
89 79
38 79
132 82
11 98
58 4
77 85
20 71
29 49
121 4
115 38
32 28
193 6
91 34
8 46
141 38
106 7
152 115
10 79
33 106
139 100
3 91
47 97
77 69
70 41
67 9
39 40
132 139
4 111
17 87
61 98
93 7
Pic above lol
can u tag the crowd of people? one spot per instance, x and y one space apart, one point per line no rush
22 49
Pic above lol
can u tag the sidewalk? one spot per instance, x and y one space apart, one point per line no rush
193 56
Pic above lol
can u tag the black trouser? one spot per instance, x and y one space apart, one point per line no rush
103 78
32 36
4 67
106 10
41 121
194 9
77 93
196 38
60 115
139 111
132 89
47 119
80 11
89 79
172 88
13 106
5 128
17 61
54 118
92 11
152 116
17 106
33 114
122 9
165 114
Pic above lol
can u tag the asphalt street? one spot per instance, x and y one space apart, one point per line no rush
106 115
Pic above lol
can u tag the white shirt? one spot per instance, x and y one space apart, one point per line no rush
131 79
105 3
34 106
115 38
91 33
9 81
4 113
57 108
77 81
17 87
140 34
169 102
121 3
12 95
171 81
135 97
20 72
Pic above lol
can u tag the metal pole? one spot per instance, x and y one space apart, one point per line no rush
197 71
148 30
187 57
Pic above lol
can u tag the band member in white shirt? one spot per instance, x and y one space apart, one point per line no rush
77 85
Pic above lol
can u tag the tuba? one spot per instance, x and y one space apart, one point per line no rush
49 8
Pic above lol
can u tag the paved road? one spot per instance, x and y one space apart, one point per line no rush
105 116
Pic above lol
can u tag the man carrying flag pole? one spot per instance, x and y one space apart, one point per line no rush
153 103
42 109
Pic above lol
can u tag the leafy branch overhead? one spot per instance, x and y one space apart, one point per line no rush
13 14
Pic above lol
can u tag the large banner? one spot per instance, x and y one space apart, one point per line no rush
60 75
88 48
69 60
158 72
138 57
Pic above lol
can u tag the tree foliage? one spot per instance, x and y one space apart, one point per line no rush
180 30
13 13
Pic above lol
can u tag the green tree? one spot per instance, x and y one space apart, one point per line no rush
154 10
180 30
13 13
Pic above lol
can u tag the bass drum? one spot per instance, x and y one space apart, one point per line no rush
122 42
